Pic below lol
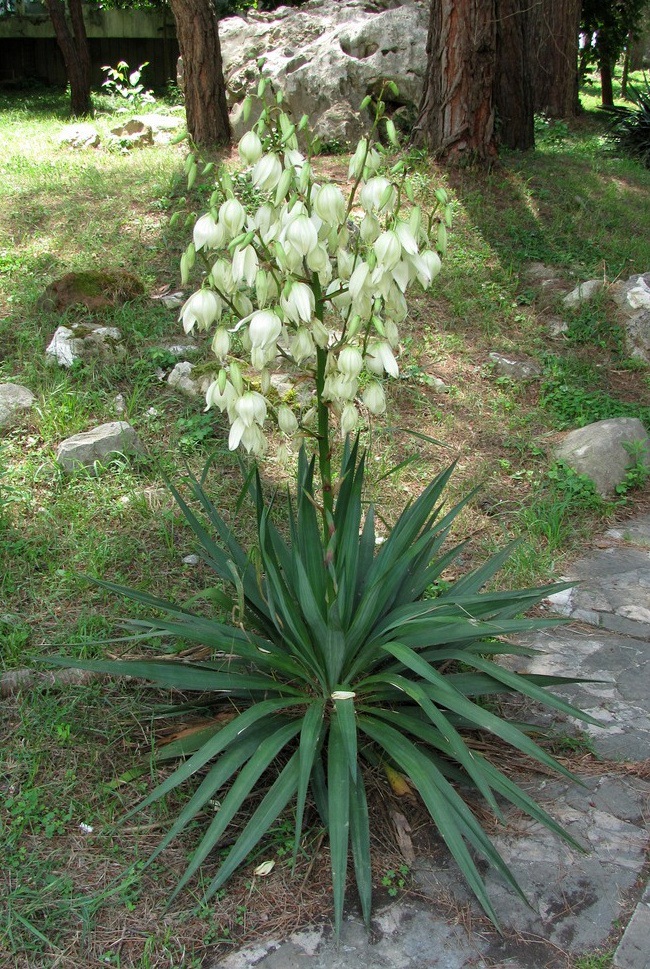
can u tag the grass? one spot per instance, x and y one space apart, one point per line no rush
572 203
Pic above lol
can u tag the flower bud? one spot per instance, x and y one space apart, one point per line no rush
221 343
302 345
358 159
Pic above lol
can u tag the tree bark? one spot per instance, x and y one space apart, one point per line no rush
76 55
197 29
513 82
456 117
555 56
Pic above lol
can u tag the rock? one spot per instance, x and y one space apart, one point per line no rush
632 951
583 293
633 300
14 400
598 450
538 273
98 445
163 127
79 136
134 132
325 58
181 379
181 348
92 289
85 341
191 560
557 326
518 368
119 404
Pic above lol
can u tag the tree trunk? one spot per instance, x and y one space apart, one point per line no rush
197 28
513 82
456 118
555 56
606 85
626 67
76 56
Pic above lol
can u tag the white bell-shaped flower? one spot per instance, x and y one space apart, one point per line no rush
208 234
267 172
378 195
223 399
329 204
232 215
300 304
350 362
302 346
374 398
388 250
380 359
250 148
349 419
404 233
287 421
202 309
245 265
302 235
264 329
369 229
222 278
251 408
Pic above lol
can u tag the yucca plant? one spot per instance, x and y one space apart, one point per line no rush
334 656
337 660
630 127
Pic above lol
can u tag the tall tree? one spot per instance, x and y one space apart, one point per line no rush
555 57
456 117
197 27
612 24
478 88
73 43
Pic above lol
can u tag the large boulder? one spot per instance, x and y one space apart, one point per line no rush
602 451
633 300
98 445
325 58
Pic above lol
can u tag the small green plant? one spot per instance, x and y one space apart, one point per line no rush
124 83
195 430
395 881
638 471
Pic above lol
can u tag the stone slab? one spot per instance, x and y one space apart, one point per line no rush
613 591
633 951
618 697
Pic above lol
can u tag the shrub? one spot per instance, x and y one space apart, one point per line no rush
630 127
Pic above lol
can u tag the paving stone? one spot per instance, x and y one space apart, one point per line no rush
614 590
633 951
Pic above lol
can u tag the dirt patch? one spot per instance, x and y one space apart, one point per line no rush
94 290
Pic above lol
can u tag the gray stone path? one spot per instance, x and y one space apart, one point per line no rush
578 902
